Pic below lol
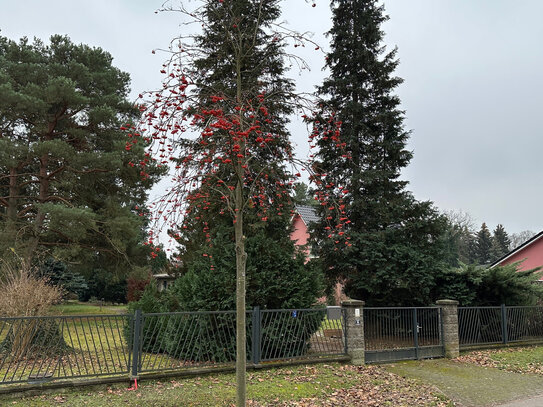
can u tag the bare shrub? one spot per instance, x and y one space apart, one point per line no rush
25 295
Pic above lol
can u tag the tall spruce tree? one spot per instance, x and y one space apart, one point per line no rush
395 241
500 243
215 74
483 245
68 185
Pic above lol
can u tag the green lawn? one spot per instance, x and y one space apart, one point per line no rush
85 308
310 385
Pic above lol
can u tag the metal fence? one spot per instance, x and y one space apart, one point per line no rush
45 348
499 325
392 334
38 349
294 334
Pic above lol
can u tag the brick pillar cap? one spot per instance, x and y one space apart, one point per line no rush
447 302
352 303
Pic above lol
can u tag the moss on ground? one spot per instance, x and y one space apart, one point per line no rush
469 384
528 359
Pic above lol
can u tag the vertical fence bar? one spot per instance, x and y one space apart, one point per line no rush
344 327
136 345
416 333
441 329
255 342
504 323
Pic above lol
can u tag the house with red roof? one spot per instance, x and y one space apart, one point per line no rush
529 252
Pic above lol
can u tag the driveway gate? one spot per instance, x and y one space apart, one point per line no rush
393 334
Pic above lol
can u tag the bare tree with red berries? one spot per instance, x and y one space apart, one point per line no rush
219 123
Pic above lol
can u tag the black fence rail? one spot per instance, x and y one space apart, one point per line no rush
402 333
39 349
499 325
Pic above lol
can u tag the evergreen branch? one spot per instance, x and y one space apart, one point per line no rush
22 213
95 170
58 198
58 170
85 246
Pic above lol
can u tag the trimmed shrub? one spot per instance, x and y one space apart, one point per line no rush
477 286
277 278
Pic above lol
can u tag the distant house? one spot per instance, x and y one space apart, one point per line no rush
529 252
303 217
163 281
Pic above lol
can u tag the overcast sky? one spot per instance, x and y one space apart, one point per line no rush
473 74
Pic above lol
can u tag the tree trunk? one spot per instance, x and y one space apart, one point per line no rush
40 215
241 261
241 256
11 224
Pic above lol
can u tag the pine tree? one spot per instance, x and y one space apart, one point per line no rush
500 243
483 245
393 245
68 184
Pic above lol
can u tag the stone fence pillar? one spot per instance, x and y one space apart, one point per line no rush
354 320
450 327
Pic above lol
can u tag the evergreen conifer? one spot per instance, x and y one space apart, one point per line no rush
483 245
395 241
68 184
500 243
